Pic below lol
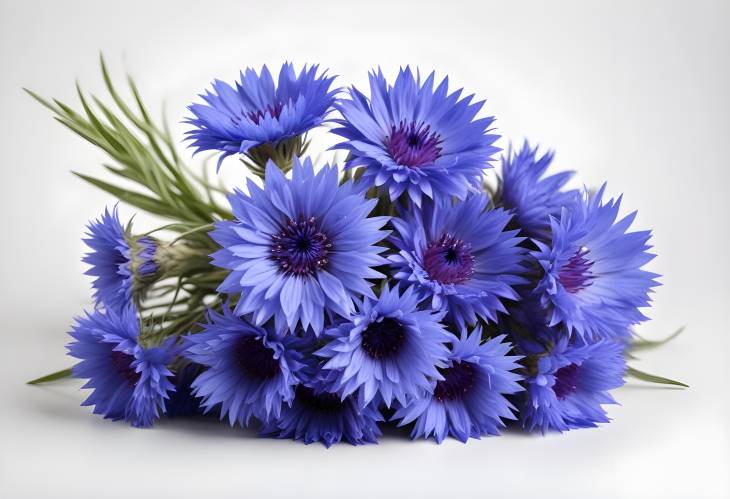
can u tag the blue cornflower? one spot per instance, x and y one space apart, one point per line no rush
121 263
529 194
251 371
389 349
469 400
413 138
593 282
459 257
299 248
320 415
259 112
567 385
130 381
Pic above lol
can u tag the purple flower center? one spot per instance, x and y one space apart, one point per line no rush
566 381
324 402
146 249
576 273
383 339
255 359
301 248
448 260
255 117
413 145
458 379
123 364
273 110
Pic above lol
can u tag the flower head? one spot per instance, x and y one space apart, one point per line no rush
389 349
299 248
120 263
411 138
529 194
259 112
469 400
459 257
593 280
130 381
319 415
251 371
568 384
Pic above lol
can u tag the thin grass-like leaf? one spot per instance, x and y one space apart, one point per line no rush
644 344
64 373
142 201
652 378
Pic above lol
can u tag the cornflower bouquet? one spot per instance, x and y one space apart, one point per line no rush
318 303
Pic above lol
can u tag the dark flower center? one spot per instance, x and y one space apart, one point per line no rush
448 260
123 364
576 273
458 379
383 339
566 381
255 117
255 359
413 145
324 402
273 110
301 247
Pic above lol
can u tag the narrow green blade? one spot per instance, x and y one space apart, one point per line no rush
643 344
64 373
652 378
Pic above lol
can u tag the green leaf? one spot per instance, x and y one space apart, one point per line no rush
142 201
64 373
643 344
43 102
142 152
652 378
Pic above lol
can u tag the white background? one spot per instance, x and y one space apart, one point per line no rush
635 93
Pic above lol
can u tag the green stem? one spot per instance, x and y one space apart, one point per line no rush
652 378
64 373
640 343
192 231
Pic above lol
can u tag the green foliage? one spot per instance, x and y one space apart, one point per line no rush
143 156
652 378
64 373
640 343
142 153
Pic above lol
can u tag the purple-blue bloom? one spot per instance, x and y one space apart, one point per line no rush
129 381
469 400
299 248
460 257
529 194
251 371
593 281
389 349
258 111
568 384
320 415
411 138
119 262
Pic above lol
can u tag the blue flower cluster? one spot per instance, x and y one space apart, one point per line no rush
399 289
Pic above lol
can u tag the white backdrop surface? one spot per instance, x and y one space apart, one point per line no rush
635 93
